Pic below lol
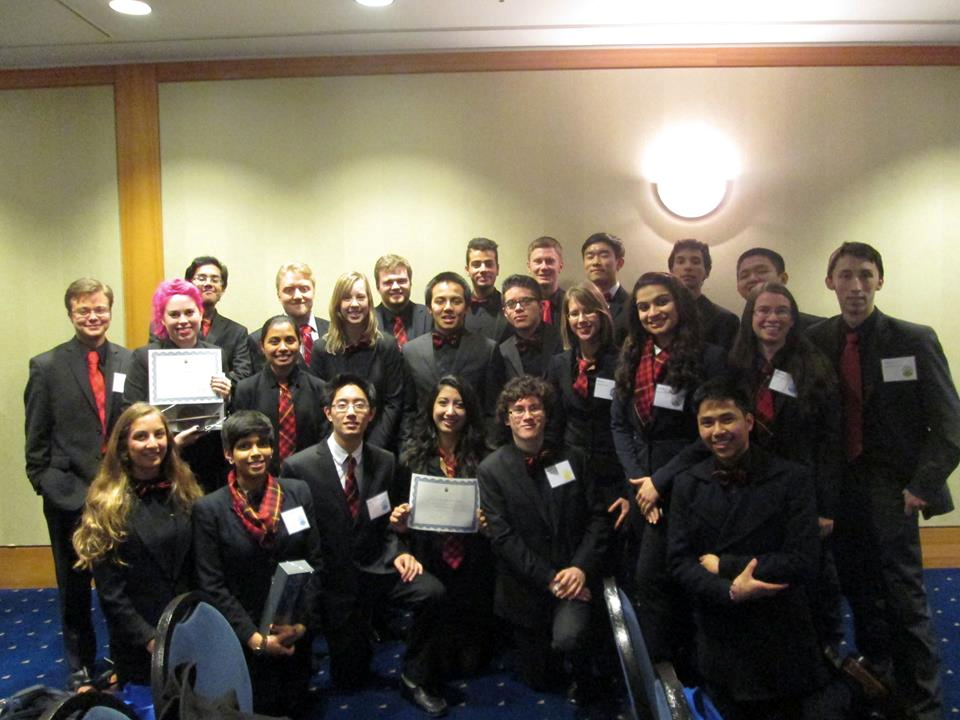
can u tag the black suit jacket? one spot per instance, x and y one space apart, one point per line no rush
506 362
350 547
231 337
487 319
261 392
382 366
256 352
421 322
618 301
717 325
761 648
911 429
536 531
233 568
151 567
63 432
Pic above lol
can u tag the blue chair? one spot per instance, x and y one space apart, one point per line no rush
93 705
655 693
191 630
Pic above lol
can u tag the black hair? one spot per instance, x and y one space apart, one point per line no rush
611 241
450 277
521 387
482 244
727 386
273 322
691 244
206 260
344 379
243 423
859 250
772 255
524 281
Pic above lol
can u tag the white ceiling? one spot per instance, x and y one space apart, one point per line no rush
44 33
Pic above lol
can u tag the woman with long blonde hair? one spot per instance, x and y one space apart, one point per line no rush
355 344
135 534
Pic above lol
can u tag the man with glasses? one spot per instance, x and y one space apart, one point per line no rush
364 564
549 531
396 315
73 396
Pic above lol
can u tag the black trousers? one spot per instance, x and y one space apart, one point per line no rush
565 634
79 638
879 562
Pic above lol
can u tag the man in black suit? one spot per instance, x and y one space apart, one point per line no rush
690 262
484 315
73 396
549 531
901 420
603 256
366 565
295 291
448 350
761 265
210 276
743 544
396 315
545 263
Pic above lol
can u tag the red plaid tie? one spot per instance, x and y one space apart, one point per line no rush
205 326
546 311
851 386
581 385
306 340
287 422
350 487
453 545
399 332
766 412
98 387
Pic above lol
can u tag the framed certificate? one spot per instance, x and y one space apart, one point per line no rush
180 385
442 504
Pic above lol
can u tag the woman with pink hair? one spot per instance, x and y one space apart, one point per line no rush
177 312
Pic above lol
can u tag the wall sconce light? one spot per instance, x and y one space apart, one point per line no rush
691 168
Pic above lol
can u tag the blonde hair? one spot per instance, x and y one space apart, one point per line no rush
299 268
336 338
591 300
103 525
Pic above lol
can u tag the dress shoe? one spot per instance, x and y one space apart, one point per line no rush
432 704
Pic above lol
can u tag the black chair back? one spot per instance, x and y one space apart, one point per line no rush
92 705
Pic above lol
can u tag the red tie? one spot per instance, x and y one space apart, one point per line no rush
852 390
608 296
766 411
98 387
287 422
581 385
306 339
453 544
399 332
350 487
546 311
205 326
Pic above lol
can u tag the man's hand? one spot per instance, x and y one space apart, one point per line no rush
747 587
621 506
398 518
220 384
188 437
653 515
826 526
647 495
568 583
408 567
710 563
911 503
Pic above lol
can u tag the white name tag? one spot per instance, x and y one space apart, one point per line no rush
295 520
378 505
603 388
782 382
560 474
899 369
119 379
668 398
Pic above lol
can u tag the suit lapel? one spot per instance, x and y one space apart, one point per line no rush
216 330
527 486
511 355
325 458
78 366
114 399
871 373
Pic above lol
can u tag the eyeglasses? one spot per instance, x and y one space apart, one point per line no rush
85 312
212 279
359 406
518 411
519 303
781 313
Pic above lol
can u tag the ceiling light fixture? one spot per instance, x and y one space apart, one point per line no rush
374 3
130 7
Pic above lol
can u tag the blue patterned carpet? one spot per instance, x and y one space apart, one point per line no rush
30 653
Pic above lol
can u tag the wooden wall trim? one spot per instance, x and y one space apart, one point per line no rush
137 111
57 77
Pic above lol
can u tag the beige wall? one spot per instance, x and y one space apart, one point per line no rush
58 222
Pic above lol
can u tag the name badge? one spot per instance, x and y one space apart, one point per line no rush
899 369
378 505
603 388
295 520
119 379
782 382
560 474
668 398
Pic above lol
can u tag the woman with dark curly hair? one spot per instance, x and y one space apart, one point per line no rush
135 535
448 441
662 362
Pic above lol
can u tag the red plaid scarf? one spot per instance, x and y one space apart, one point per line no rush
453 544
262 524
649 370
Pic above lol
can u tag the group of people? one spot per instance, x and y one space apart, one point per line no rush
737 476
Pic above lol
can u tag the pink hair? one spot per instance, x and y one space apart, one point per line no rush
161 296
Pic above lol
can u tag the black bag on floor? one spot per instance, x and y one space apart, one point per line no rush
30 702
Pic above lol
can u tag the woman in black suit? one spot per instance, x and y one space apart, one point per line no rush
448 441
177 313
662 362
135 535
283 387
241 533
355 344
